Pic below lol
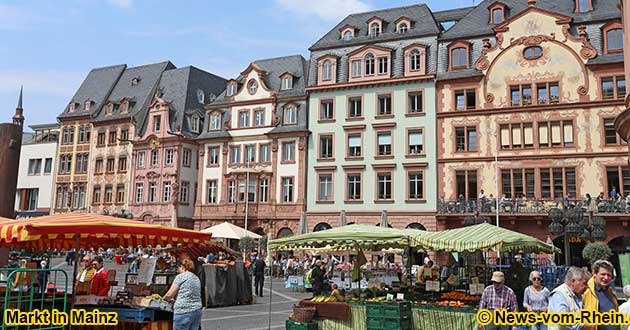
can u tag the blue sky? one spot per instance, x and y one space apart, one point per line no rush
50 46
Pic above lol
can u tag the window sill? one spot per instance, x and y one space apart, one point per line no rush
326 121
415 201
183 203
422 155
353 158
119 203
324 202
353 201
384 116
284 162
415 114
384 157
355 118
187 166
464 152
324 160
213 165
383 201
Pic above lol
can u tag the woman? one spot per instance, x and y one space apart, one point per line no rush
187 288
536 298
100 285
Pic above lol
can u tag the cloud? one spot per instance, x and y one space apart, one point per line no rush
124 4
329 10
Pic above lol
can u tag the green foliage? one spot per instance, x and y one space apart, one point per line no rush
596 251
262 243
246 244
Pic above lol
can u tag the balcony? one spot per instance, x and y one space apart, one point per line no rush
530 207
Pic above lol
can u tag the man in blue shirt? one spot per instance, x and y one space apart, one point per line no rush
568 296
599 296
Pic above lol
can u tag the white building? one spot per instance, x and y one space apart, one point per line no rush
36 172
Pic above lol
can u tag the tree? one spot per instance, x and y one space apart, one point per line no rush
246 244
596 251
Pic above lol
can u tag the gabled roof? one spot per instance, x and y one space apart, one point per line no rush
358 50
420 13
475 23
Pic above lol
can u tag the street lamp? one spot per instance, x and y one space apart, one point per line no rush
572 222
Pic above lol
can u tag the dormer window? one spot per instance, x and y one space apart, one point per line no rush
458 55
124 107
194 124
369 64
497 15
200 96
287 82
215 121
347 36
72 107
583 6
290 115
327 70
109 107
415 60
135 81
231 89
403 28
252 86
375 29
613 38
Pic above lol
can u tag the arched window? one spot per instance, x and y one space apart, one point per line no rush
200 96
252 86
322 226
347 36
403 28
327 70
458 57
614 40
375 29
369 64
497 15
415 225
415 60
532 53
284 232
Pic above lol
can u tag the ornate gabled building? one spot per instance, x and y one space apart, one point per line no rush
253 149
74 148
536 84
165 163
113 132
372 150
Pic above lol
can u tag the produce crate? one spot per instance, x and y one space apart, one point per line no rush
292 325
395 310
135 314
388 324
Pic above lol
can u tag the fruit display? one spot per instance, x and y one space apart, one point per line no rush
377 299
324 299
451 303
454 295
155 297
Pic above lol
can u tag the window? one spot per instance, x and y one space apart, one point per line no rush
497 15
555 134
415 60
414 104
375 29
614 40
170 154
326 147
84 134
347 36
194 124
369 64
109 194
547 93
166 192
325 187
120 193
111 161
183 192
610 133
98 165
251 190
385 105
466 184
263 190
265 154
122 164
458 57
384 140
354 145
124 134
72 107
96 195
327 70
326 110
212 192
241 190
287 83
67 136
250 154
154 158
215 121
48 166
613 87
516 183
213 156
384 182
186 157
465 99
152 192
34 166
100 140
235 154
231 90
141 159
124 107
532 52
583 6
27 199
65 164
416 185
354 107
403 28
259 117
521 95
354 187
252 86
81 163
243 118
383 65
517 135
619 177
139 192
466 138
414 142
112 136
290 115
200 96
78 196
157 123
356 68
557 182
63 198
288 152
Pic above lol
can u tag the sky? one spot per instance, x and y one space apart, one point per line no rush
50 46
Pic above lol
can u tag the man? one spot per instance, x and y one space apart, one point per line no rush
317 278
568 296
259 276
84 276
100 286
498 296
425 272
599 296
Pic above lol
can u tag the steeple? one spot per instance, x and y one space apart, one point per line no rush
18 118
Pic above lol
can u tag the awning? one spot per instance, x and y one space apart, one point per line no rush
231 231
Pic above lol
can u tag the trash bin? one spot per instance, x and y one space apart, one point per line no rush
118 260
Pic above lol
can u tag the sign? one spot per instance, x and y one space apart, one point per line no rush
476 289
433 286
624 264
146 270
400 296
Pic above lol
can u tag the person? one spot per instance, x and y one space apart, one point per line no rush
100 286
613 193
625 307
568 296
498 296
599 295
425 272
87 271
335 290
42 277
317 278
259 276
70 257
210 258
187 287
133 266
536 298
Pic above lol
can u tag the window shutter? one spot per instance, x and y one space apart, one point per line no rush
415 138
543 133
384 139
529 135
354 141
505 137
556 136
516 135
568 132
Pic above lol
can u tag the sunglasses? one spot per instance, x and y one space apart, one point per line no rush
536 279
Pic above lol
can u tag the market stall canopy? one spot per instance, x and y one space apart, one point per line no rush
480 237
201 250
65 230
367 237
228 230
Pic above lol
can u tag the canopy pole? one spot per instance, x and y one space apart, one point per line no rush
77 245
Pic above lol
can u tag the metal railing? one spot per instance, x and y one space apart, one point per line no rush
519 206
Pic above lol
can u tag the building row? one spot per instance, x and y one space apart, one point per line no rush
415 115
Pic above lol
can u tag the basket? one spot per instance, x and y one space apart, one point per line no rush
303 313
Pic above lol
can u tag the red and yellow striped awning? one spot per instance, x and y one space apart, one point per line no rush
94 230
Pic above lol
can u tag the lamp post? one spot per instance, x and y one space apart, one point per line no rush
572 222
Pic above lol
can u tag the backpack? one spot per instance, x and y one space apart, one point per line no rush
308 278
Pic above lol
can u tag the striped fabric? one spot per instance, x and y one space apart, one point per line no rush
357 321
426 319
94 230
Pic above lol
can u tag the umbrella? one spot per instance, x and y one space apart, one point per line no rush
231 231
342 218
303 227
384 219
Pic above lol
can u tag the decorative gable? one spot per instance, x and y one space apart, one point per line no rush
375 26
403 24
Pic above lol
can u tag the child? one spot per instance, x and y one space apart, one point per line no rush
335 290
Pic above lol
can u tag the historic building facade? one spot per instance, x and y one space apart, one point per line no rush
372 149
537 85
253 149
165 162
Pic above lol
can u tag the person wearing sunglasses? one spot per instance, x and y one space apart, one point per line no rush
536 298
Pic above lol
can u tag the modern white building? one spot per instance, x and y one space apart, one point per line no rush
36 171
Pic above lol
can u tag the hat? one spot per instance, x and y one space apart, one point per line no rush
498 277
